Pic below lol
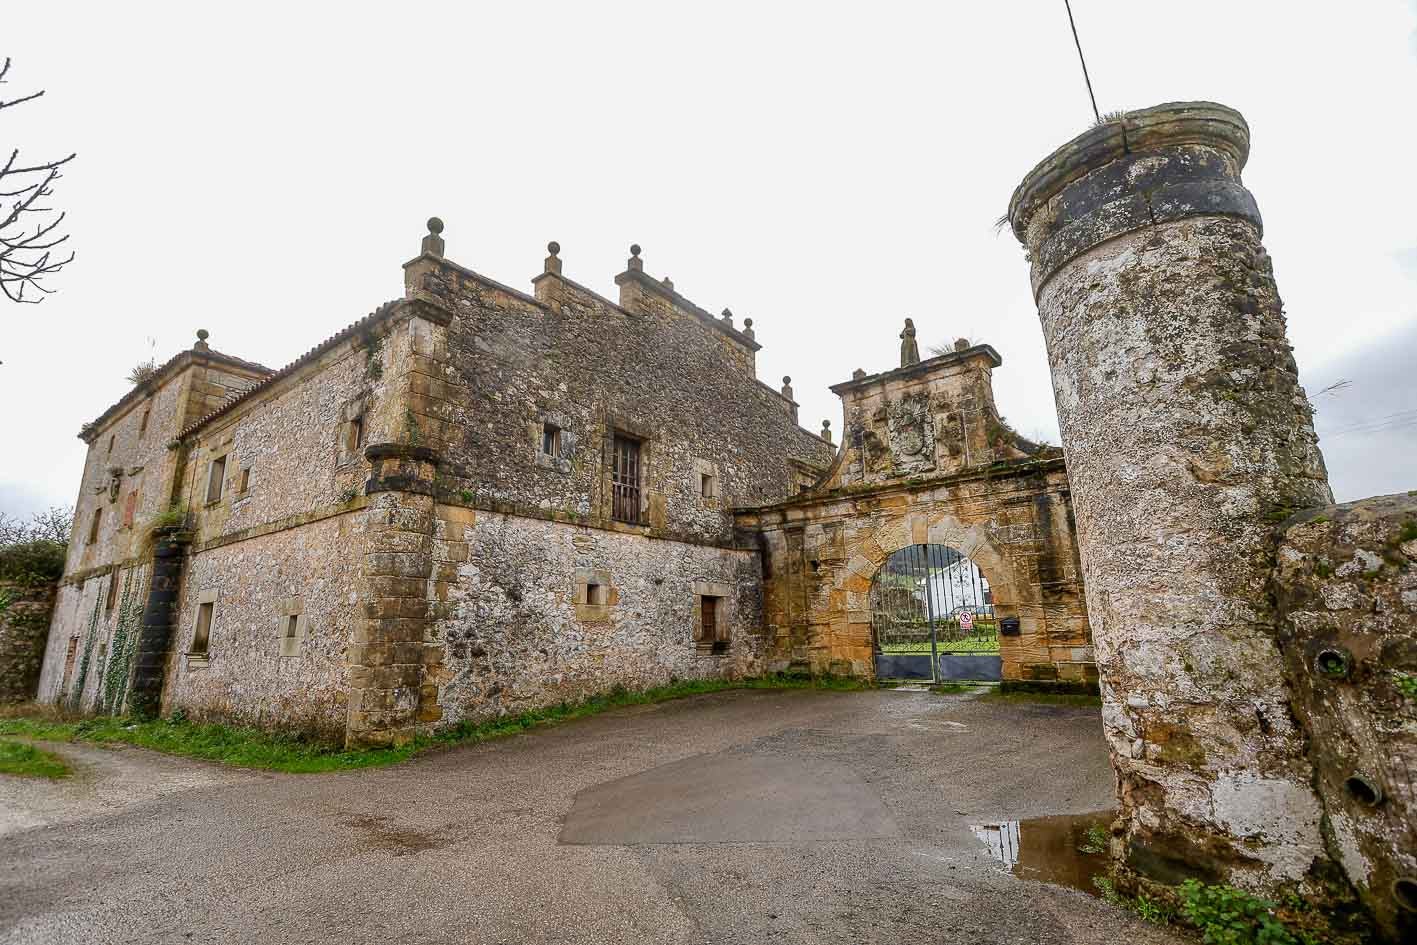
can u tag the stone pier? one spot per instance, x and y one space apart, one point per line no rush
1187 439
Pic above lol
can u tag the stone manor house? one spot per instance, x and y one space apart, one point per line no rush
474 500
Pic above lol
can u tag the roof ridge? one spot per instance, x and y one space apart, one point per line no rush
378 314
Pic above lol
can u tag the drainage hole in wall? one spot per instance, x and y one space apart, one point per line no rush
1405 892
1332 663
1363 791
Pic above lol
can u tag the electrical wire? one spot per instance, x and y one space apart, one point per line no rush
1078 43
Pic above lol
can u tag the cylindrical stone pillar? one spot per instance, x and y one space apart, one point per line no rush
1187 438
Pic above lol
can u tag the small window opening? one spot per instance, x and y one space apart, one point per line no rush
245 480
110 444
712 633
356 434
595 594
143 424
202 635
112 598
216 479
550 439
93 526
708 486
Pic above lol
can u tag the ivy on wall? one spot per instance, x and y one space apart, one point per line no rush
119 673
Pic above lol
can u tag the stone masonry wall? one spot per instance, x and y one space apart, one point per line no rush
682 384
131 475
518 635
1346 587
256 584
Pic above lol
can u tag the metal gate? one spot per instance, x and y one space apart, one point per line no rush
932 617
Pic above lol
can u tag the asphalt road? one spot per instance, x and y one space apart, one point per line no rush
754 816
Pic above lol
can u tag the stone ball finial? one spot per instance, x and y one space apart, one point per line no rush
747 323
961 344
635 249
203 334
786 380
826 424
553 247
857 374
435 225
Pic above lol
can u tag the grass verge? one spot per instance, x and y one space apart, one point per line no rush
251 748
30 762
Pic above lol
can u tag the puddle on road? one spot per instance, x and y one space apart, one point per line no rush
1048 849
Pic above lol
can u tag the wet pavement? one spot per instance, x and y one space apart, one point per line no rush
747 817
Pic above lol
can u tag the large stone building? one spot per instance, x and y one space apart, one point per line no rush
475 500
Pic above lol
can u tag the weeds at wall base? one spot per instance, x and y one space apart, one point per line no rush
1224 915
250 748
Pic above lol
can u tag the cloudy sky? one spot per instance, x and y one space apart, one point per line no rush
263 170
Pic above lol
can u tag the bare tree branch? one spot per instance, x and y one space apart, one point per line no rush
27 227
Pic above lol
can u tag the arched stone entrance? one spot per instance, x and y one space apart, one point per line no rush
933 617
925 459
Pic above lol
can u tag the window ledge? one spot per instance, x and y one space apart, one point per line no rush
197 660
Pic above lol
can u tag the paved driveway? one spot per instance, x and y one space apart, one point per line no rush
754 816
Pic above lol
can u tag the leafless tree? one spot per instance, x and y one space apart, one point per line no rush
29 233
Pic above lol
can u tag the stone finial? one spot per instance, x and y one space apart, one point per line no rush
668 283
909 350
636 263
202 336
433 242
553 260
857 374
827 430
727 318
748 327
787 388
961 344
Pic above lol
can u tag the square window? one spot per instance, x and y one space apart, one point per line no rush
550 439
595 594
708 486
201 636
245 485
216 479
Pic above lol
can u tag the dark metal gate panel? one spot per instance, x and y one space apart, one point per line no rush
932 617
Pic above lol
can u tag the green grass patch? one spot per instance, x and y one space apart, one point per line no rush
953 688
1043 698
986 645
251 748
30 762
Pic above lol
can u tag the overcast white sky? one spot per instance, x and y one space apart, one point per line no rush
262 170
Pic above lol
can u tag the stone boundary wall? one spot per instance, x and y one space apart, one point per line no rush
25 612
